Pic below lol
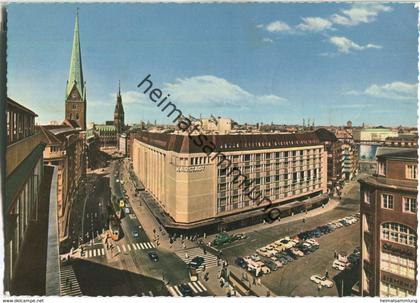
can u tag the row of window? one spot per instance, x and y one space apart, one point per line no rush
398 265
387 202
410 170
19 125
389 290
398 233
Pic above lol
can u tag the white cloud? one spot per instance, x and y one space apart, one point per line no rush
267 40
277 26
314 24
394 90
213 91
345 45
359 13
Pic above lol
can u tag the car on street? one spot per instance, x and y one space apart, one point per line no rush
196 262
322 280
185 290
241 262
127 210
153 256
135 233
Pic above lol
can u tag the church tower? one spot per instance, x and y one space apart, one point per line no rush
76 88
119 112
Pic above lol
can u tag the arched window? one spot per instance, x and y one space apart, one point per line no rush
398 233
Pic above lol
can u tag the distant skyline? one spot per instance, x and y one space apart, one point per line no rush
271 62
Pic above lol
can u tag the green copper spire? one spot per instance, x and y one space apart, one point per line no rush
75 72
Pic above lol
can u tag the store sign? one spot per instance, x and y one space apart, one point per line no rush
398 251
189 169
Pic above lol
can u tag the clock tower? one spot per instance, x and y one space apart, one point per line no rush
75 97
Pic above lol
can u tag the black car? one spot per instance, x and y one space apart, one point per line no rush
185 290
153 256
290 254
240 262
313 247
283 260
303 248
271 265
196 262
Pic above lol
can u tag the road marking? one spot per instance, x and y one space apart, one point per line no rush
178 291
94 253
193 288
89 253
153 245
128 247
150 293
202 286
138 246
123 247
119 250
198 286
103 251
141 244
173 292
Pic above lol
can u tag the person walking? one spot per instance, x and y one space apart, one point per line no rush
326 274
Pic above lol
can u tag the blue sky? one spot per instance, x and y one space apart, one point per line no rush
252 62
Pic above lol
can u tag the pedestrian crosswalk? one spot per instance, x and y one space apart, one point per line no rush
188 254
125 248
196 286
68 282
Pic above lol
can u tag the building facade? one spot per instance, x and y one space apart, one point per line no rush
108 136
334 153
195 186
65 150
75 96
24 175
388 207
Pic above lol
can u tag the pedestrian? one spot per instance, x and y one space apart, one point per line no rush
204 267
303 220
326 274
204 236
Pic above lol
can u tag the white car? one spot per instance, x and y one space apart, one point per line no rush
337 264
255 258
322 280
265 270
312 241
264 252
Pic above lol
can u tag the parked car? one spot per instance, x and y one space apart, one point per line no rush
265 270
153 256
322 280
303 248
340 265
291 254
241 262
135 233
271 265
287 256
185 290
313 247
255 257
196 262
297 252
312 242
277 262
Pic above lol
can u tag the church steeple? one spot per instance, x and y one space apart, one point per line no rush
76 71
119 112
76 87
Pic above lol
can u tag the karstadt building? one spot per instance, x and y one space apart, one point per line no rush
196 188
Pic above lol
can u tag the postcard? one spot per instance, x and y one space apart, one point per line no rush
210 150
